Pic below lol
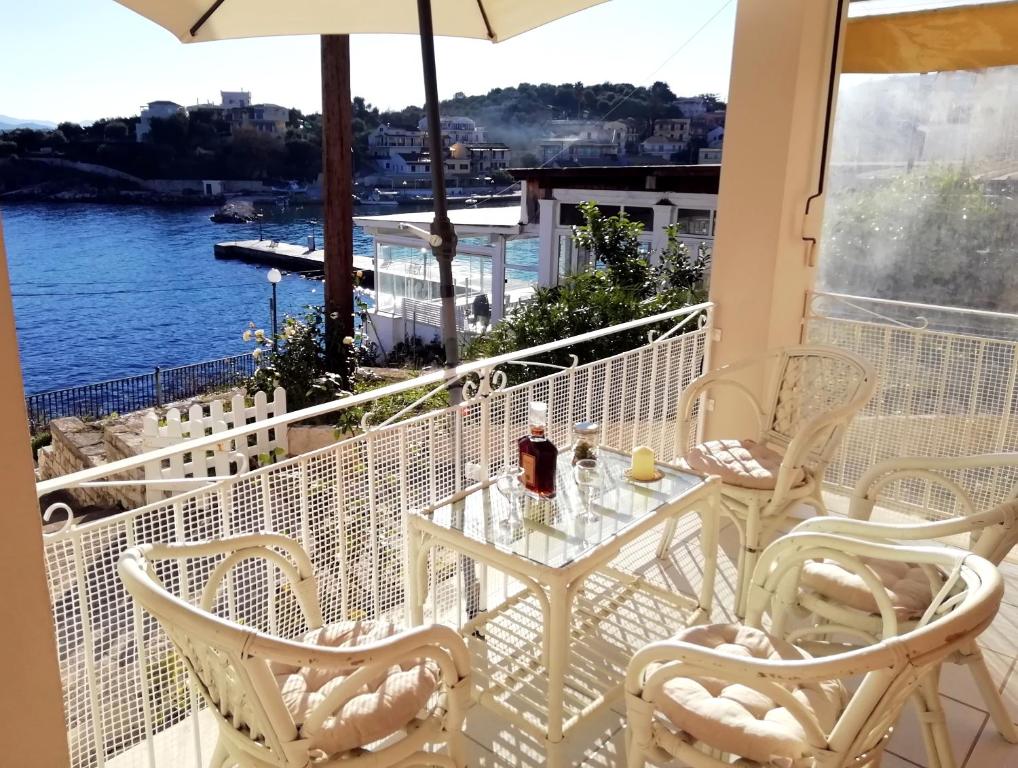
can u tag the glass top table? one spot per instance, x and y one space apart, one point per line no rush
555 532
553 653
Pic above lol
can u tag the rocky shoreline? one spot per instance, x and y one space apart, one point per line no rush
52 192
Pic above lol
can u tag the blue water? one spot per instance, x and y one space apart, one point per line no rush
103 291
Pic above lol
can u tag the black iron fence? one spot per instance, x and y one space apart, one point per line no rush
163 385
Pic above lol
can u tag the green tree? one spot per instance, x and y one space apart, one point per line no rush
621 287
170 131
303 160
72 131
115 131
55 139
938 237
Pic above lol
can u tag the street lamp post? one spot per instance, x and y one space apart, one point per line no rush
274 277
259 217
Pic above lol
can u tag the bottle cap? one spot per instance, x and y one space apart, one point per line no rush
538 413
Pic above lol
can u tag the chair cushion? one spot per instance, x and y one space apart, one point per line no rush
906 585
743 463
381 707
738 719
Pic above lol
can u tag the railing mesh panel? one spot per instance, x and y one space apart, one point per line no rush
347 506
946 387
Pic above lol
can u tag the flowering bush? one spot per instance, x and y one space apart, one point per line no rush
295 361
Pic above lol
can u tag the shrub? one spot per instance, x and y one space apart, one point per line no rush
295 361
621 286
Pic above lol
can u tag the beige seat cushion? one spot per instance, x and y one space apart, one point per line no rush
741 720
906 585
743 463
380 708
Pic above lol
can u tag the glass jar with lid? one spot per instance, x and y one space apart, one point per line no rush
585 438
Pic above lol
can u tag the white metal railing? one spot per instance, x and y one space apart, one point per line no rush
346 504
948 386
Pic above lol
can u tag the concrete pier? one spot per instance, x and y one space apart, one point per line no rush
287 256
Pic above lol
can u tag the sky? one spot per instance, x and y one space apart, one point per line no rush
81 60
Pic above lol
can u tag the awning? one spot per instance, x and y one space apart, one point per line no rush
503 220
934 40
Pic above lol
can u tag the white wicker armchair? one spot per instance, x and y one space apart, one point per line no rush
840 604
716 692
321 698
813 393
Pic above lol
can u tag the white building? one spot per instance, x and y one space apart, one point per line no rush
673 128
660 146
584 142
489 262
386 140
709 155
231 99
457 130
691 106
154 109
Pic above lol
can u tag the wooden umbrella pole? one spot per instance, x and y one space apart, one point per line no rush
337 171
442 227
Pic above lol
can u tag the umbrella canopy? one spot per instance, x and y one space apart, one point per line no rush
194 21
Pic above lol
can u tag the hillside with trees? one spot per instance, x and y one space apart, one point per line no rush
201 145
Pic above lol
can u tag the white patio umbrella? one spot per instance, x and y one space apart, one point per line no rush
194 21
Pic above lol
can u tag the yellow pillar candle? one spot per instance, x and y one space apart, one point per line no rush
643 467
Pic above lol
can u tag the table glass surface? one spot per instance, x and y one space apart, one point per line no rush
553 532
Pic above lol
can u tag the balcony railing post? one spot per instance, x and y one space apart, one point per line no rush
158 387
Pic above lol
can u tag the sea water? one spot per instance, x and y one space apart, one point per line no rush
104 291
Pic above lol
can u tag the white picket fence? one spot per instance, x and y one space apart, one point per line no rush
210 419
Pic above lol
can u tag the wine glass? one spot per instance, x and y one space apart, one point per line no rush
510 485
587 473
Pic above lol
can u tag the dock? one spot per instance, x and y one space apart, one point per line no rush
286 256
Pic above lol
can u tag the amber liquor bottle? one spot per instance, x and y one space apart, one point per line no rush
538 455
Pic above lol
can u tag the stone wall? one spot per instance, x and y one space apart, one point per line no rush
76 446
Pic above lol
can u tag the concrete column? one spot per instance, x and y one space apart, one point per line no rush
762 266
498 279
32 728
664 215
547 257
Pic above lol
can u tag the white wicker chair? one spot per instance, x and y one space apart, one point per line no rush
839 604
813 393
713 693
320 699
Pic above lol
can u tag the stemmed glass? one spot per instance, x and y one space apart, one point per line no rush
510 485
587 473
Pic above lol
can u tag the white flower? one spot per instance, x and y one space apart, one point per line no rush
348 339
259 334
247 336
360 273
256 354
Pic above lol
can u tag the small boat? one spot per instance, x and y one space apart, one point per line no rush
378 197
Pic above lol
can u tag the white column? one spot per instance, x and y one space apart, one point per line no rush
498 279
663 216
547 258
31 702
762 267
